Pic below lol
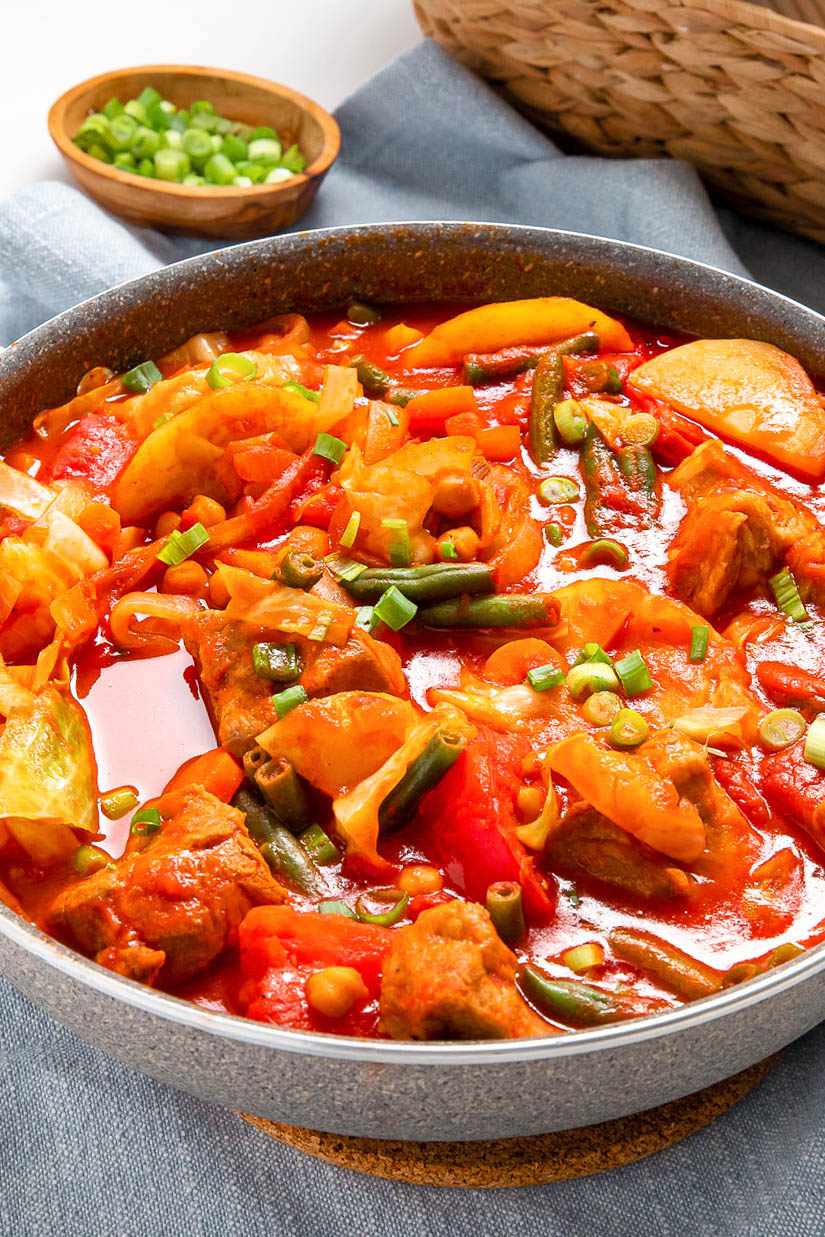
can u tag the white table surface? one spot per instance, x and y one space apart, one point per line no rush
324 48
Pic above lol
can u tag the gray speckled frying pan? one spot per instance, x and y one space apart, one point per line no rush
377 1089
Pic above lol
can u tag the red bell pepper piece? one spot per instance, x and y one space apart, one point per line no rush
796 789
787 685
96 449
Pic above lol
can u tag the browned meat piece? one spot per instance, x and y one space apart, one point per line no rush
588 844
449 976
363 664
166 912
725 543
239 699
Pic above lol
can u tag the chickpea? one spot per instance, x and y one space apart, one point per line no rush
203 510
420 878
465 541
334 990
530 801
530 763
456 495
167 523
188 578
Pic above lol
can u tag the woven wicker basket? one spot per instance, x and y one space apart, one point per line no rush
736 89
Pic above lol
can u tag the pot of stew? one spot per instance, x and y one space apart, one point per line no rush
412 677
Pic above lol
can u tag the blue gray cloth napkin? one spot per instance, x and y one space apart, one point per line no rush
89 1147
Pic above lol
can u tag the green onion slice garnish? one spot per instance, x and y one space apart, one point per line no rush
785 590
629 729
814 750
592 651
699 636
118 802
395 900
319 845
392 417
142 378
542 678
289 699
400 553
448 551
180 546
297 388
555 490
351 531
554 533
634 674
280 663
365 618
328 447
336 907
589 677
344 568
780 728
229 368
394 609
87 860
607 551
145 822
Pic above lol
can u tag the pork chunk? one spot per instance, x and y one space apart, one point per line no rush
588 844
362 664
450 976
239 699
168 911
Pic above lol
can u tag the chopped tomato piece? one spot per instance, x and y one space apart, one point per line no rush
96 449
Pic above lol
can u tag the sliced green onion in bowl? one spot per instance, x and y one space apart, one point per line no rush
346 569
558 490
786 591
395 900
634 674
394 609
699 636
542 678
289 699
365 618
229 368
142 378
629 729
172 164
328 447
219 170
780 728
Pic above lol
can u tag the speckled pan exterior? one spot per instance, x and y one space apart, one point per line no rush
376 1089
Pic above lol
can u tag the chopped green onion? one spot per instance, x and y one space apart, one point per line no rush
589 677
698 643
87 860
392 417
395 900
394 609
289 699
113 108
582 958
399 549
328 447
180 546
146 143
602 708
365 618
814 750
219 170
556 490
171 164
279 662
146 821
629 729
780 728
197 144
554 533
346 569
297 388
605 550
592 651
149 96
634 674
229 368
142 378
234 147
336 907
571 422
351 531
319 845
544 677
260 131
267 149
786 592
448 551
118 802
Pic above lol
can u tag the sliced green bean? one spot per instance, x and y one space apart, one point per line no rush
282 851
548 385
299 569
426 771
601 476
359 313
280 785
505 907
430 583
375 380
671 967
482 367
569 1000
638 469
507 610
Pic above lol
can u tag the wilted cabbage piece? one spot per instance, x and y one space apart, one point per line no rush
47 773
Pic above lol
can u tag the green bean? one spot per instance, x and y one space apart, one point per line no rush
569 1000
400 396
505 908
284 854
601 476
280 785
670 966
481 367
401 804
375 380
548 385
359 313
299 569
506 610
280 663
638 469
430 583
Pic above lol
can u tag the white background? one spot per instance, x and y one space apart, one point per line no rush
324 48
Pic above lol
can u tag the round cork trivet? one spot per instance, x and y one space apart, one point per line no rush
524 1161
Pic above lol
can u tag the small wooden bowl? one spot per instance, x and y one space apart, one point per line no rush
230 212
